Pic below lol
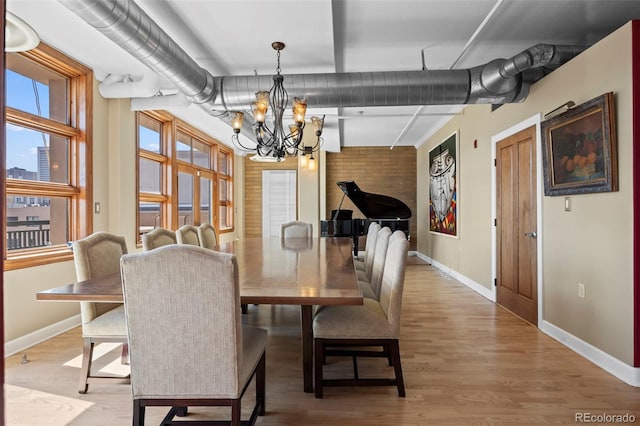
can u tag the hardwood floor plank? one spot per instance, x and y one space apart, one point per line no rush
466 361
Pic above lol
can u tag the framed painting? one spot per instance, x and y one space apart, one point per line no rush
580 149
443 187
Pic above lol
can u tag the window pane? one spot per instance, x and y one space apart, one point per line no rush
39 221
34 155
224 159
201 154
150 176
224 192
149 216
35 89
185 199
149 134
205 201
183 148
224 217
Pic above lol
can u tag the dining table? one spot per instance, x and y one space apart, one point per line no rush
306 272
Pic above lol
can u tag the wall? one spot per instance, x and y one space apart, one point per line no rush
591 244
377 170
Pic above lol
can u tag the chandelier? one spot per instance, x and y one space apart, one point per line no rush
275 143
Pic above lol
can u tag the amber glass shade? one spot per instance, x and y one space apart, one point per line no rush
237 120
299 110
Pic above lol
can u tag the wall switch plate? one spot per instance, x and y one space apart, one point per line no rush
567 204
96 207
581 291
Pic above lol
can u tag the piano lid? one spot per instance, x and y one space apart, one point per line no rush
375 206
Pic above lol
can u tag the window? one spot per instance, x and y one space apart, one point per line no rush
178 182
47 148
153 132
225 189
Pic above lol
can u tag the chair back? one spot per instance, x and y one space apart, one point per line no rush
95 256
158 237
370 242
207 236
182 305
187 234
393 282
296 229
379 256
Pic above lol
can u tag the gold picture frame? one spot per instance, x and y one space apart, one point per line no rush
580 149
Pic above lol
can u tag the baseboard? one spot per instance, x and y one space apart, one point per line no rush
613 366
478 288
15 346
623 371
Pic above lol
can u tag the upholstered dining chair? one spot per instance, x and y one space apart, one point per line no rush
296 229
356 330
207 236
370 285
158 237
370 244
94 256
187 234
188 344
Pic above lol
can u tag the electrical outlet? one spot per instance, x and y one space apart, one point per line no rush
581 291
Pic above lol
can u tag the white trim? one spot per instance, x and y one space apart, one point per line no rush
623 371
478 288
529 122
14 346
610 364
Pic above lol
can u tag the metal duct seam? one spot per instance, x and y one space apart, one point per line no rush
499 81
131 28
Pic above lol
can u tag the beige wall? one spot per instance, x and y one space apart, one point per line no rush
591 244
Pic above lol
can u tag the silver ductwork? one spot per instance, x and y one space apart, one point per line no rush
497 82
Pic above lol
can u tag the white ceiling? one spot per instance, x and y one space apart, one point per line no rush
233 37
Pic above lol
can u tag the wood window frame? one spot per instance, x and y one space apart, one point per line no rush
79 132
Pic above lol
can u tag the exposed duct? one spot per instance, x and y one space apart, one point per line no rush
499 81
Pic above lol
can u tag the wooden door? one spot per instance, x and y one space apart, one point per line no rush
516 223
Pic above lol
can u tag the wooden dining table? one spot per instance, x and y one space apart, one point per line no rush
272 271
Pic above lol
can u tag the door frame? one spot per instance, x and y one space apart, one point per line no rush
529 122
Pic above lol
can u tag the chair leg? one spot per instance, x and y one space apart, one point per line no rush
87 355
261 385
319 359
124 359
394 350
235 413
138 413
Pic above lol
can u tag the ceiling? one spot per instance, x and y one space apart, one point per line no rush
233 37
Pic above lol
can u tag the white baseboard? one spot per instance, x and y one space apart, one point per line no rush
623 371
15 346
478 288
619 369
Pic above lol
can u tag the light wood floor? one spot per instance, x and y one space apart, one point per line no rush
465 361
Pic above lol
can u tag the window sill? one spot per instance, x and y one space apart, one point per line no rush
29 258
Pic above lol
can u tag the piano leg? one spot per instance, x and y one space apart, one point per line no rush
356 242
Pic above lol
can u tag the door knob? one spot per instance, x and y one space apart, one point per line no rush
531 234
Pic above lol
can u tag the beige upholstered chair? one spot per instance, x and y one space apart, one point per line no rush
188 345
370 244
187 234
157 238
296 229
354 330
370 285
207 236
94 256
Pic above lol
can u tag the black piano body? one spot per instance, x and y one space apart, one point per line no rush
385 210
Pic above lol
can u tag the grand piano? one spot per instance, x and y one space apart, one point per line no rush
385 210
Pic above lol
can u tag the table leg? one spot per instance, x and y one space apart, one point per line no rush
306 315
